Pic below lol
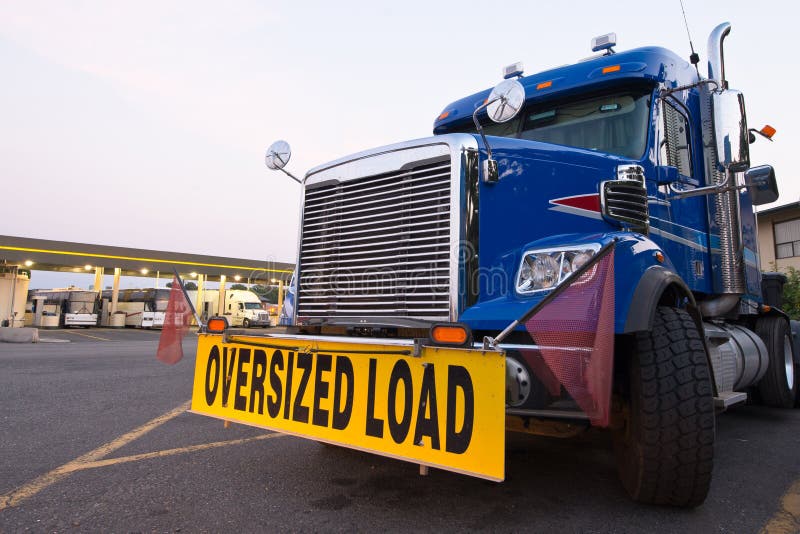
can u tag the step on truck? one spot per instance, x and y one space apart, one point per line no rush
570 250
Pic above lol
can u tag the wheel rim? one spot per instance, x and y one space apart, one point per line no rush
788 361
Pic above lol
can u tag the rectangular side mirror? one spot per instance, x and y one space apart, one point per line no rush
730 130
762 184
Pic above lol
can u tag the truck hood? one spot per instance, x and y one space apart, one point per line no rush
547 195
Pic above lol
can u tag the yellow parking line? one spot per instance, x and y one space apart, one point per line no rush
787 520
170 452
86 335
14 497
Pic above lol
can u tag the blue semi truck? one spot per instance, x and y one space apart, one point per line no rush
572 248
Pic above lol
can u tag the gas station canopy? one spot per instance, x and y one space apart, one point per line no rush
64 256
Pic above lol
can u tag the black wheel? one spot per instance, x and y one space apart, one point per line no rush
665 449
778 387
246 323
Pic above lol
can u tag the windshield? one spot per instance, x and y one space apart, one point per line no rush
252 306
614 123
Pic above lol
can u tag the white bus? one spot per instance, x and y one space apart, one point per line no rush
74 307
143 308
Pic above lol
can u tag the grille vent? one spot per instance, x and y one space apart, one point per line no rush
378 246
625 199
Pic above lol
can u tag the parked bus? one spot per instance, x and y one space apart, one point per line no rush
143 308
74 306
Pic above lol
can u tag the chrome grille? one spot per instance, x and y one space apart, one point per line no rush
378 246
626 201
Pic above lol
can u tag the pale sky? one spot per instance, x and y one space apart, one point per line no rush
144 123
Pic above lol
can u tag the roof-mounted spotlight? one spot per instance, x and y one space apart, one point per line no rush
604 42
515 69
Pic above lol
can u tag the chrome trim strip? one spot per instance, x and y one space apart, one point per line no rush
368 263
387 187
326 254
395 264
576 211
367 295
432 228
422 193
326 171
677 239
425 209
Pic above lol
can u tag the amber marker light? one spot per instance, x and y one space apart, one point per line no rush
444 115
612 68
768 131
659 256
544 85
216 325
450 334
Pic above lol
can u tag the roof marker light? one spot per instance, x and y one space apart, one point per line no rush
604 42
515 69
544 85
443 116
612 68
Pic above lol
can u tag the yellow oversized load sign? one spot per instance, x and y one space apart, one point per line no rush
445 408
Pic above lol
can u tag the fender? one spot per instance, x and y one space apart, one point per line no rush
655 282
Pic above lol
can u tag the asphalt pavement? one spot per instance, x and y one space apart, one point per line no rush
95 437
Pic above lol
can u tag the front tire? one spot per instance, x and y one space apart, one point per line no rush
246 323
778 387
665 449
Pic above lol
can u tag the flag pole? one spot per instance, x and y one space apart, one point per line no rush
492 343
186 296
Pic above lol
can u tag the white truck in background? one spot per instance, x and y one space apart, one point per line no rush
241 307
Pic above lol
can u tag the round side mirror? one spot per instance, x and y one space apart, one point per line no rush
278 155
506 101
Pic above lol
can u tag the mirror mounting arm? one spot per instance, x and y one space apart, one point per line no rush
290 175
666 92
708 190
478 123
490 174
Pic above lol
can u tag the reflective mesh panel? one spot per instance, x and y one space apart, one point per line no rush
574 335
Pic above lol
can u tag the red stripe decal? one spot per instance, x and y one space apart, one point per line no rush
590 202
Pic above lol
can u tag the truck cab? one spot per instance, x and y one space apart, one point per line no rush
591 225
243 308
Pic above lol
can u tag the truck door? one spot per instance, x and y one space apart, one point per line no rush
680 225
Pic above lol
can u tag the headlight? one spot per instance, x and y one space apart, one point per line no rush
546 268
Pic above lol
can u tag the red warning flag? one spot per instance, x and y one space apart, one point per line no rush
177 319
574 334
